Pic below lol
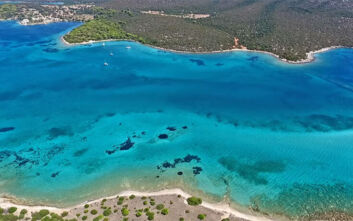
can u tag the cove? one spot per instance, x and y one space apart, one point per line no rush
269 135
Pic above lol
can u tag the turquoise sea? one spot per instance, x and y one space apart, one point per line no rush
274 136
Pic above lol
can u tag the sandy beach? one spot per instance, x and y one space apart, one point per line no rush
172 199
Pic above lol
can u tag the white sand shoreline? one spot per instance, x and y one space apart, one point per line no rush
223 208
310 55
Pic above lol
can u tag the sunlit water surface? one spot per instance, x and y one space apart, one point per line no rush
264 133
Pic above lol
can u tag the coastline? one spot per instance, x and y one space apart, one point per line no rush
310 55
225 209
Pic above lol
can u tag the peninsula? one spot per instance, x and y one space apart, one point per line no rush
207 28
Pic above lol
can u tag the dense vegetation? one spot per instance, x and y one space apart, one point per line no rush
288 28
99 29
7 10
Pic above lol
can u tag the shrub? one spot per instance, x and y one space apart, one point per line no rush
94 212
181 219
201 216
152 203
120 200
106 219
39 215
8 217
1 210
55 216
98 218
86 206
85 211
125 212
125 219
43 212
160 206
226 219
194 201
143 198
179 196
145 202
165 211
107 212
63 214
12 209
84 217
150 215
132 197
138 214
187 211
21 216
78 214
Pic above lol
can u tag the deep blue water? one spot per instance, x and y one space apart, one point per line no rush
263 132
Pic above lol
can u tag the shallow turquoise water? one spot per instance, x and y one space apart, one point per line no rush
265 133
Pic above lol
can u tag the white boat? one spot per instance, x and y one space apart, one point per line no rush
111 54
103 44
128 47
106 64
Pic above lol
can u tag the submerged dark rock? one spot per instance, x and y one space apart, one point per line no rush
196 170
126 145
163 136
252 171
198 62
80 152
54 150
53 175
57 132
109 152
187 159
185 127
123 146
6 129
110 114
253 58
16 159
171 128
